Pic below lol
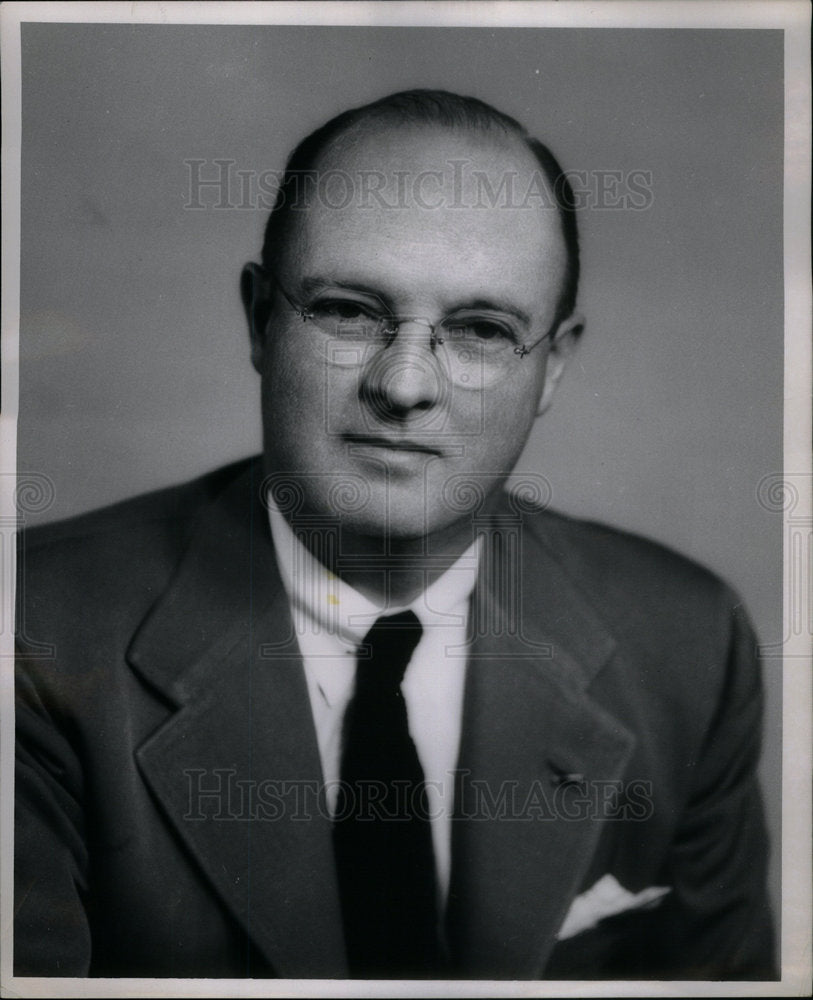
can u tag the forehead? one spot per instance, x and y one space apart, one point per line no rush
440 212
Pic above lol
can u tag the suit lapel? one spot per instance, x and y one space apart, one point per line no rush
240 744
236 767
533 748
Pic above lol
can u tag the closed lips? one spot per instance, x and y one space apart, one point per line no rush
398 444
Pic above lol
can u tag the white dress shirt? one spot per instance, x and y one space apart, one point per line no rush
331 620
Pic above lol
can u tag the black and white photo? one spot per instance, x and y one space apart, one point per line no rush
409 539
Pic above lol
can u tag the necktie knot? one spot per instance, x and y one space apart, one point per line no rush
387 649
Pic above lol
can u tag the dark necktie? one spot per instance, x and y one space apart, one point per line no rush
381 834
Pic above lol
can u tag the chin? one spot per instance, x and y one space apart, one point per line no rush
405 526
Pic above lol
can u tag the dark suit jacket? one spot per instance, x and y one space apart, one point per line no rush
168 812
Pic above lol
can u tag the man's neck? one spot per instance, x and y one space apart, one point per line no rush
394 571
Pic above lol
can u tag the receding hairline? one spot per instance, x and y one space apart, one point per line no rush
444 112
335 154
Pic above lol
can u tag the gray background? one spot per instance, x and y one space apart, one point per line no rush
134 360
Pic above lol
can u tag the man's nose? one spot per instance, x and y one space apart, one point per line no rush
405 376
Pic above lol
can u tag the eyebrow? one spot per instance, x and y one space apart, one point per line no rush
313 283
317 284
501 306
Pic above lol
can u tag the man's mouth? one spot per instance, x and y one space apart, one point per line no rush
392 443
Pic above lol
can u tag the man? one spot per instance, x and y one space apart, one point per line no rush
351 710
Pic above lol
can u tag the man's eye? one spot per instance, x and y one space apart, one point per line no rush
343 311
481 331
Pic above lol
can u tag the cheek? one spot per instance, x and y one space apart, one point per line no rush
305 402
505 432
290 399
509 415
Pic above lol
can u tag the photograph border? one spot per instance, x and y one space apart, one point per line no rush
795 482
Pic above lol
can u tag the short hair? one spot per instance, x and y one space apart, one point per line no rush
446 110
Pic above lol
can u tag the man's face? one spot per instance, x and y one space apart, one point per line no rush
384 438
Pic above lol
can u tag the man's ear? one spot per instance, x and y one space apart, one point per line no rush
562 345
255 291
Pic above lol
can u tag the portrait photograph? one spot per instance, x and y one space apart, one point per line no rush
405 499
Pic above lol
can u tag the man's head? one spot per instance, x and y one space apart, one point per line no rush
431 247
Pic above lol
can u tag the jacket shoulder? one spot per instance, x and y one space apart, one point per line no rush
175 505
633 579
594 545
110 564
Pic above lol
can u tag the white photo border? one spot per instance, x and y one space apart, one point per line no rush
791 17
